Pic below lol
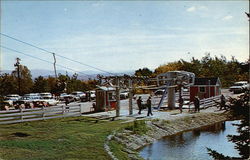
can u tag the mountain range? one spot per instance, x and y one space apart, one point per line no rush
89 74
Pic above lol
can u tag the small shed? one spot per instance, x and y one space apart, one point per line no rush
205 88
105 98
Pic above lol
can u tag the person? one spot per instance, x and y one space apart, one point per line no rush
196 104
31 105
181 104
139 103
94 106
149 106
66 101
222 102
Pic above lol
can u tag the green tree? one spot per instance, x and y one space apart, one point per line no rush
26 82
228 71
143 72
7 84
40 85
239 109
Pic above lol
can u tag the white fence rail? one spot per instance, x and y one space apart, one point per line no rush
208 102
25 115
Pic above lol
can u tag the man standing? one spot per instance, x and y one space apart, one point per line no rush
149 106
197 104
139 101
222 102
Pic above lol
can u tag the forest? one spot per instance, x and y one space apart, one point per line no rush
229 71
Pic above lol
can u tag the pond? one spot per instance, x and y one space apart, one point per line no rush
192 145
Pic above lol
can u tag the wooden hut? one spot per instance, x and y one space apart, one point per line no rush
105 98
205 88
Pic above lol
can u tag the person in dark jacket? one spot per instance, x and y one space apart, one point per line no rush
139 103
149 106
196 104
222 102
181 101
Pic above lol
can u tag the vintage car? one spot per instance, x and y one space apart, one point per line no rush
239 87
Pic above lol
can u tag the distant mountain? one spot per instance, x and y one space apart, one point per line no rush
89 74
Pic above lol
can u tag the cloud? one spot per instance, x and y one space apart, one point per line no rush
196 8
191 9
97 4
226 18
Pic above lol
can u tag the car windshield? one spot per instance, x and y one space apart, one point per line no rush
238 84
45 94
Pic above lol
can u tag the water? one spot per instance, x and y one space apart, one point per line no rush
192 145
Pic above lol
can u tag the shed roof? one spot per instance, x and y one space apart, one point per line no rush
105 88
207 81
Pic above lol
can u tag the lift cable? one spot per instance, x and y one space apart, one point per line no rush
5 35
62 66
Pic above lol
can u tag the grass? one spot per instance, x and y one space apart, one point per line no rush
138 127
117 150
69 138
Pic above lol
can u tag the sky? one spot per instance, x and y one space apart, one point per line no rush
119 36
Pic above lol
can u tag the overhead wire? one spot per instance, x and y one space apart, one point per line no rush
5 35
10 49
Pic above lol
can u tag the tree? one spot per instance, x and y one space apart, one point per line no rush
143 72
239 108
40 85
172 66
26 82
7 84
228 71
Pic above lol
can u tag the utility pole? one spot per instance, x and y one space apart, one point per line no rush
55 64
130 97
117 90
17 64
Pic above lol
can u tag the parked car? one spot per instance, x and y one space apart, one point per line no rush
11 98
239 87
78 95
46 95
32 97
50 101
27 98
124 95
89 95
70 97
92 95
159 92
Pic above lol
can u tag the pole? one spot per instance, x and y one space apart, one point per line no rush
117 97
130 98
55 64
19 79
18 74
208 88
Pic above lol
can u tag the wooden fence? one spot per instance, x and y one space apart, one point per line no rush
208 102
25 115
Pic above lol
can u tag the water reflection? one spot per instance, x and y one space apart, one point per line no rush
192 144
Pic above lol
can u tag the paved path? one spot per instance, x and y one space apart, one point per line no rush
167 115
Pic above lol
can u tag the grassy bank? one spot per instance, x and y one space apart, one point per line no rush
69 138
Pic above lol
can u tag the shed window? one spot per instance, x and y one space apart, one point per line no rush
202 89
